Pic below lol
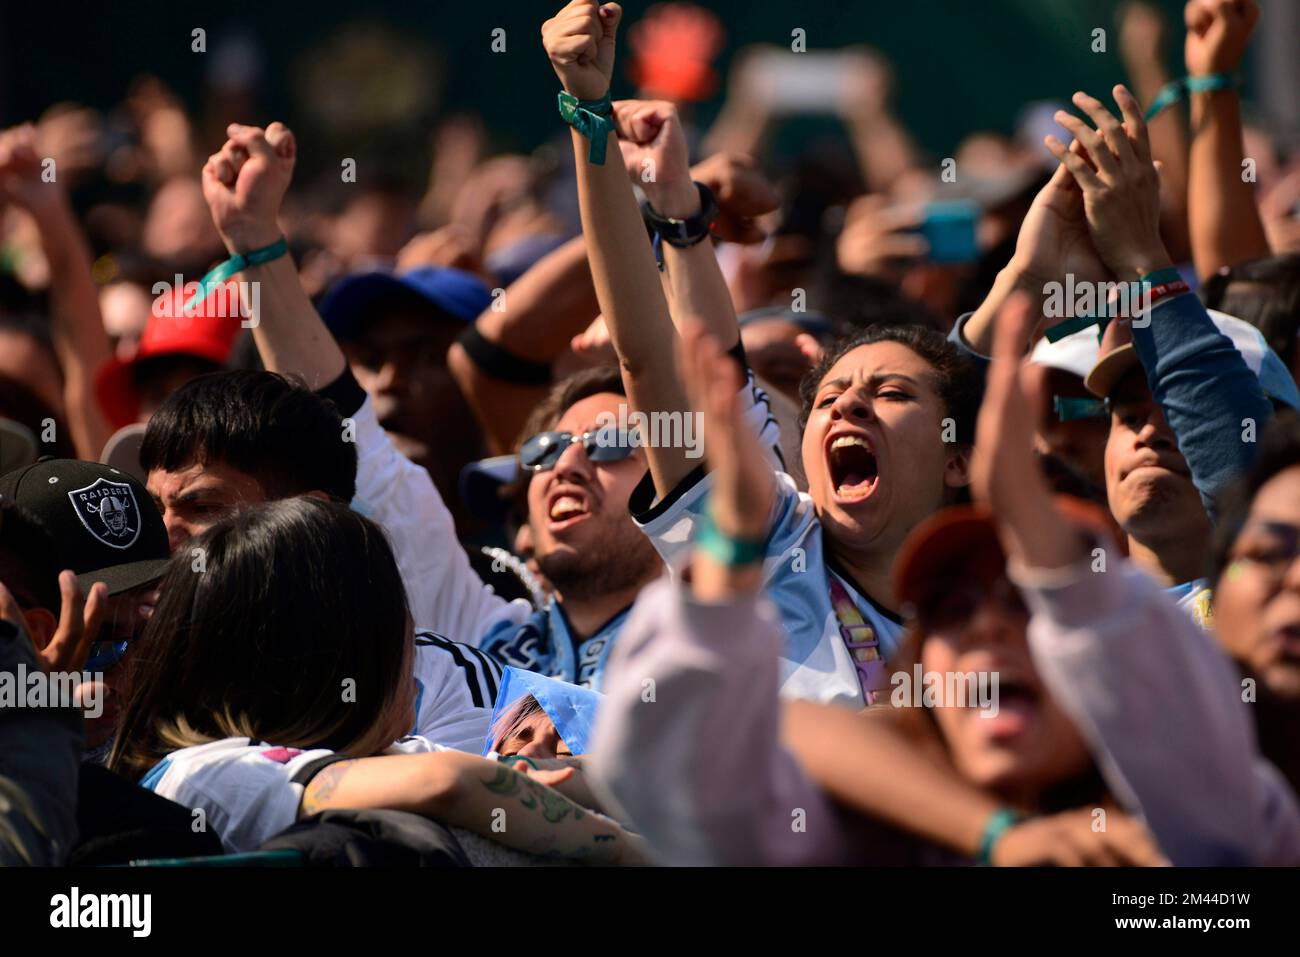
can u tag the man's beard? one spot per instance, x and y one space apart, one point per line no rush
608 566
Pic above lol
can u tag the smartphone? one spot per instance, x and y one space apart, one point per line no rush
949 228
802 83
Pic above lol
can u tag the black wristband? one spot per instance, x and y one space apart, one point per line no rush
501 363
345 392
683 233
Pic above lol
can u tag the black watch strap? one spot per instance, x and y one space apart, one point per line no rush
684 232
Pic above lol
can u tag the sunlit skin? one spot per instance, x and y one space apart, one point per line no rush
886 394
578 518
1149 486
1030 744
194 499
535 738
1257 598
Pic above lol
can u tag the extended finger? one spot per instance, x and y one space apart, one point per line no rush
1110 128
1134 122
1079 167
1097 150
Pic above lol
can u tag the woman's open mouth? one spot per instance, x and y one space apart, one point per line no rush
851 463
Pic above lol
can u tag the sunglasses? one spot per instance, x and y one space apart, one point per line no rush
105 654
609 444
1072 410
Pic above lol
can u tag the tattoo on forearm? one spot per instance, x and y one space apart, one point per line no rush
322 787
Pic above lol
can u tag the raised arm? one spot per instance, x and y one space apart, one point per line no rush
1054 241
1225 224
244 185
543 310
80 341
1194 773
1202 383
580 42
1142 33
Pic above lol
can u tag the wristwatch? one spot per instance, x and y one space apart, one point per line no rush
684 232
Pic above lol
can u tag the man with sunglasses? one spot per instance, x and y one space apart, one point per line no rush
578 472
581 533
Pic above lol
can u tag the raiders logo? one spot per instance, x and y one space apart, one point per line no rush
108 511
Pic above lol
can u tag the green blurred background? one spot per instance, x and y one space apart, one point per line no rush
961 65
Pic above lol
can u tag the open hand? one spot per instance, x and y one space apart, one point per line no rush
1121 188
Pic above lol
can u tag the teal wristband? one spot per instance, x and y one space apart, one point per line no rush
998 823
1177 90
1161 276
593 119
724 549
237 263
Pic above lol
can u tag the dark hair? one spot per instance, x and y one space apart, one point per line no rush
569 392
29 559
1265 293
1279 450
565 393
295 598
268 426
20 403
957 380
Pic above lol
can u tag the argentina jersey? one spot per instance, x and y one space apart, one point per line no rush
455 691
1197 599
797 572
545 644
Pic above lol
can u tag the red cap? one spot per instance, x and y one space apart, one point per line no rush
209 332
963 536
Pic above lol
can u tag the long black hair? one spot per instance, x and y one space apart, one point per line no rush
286 623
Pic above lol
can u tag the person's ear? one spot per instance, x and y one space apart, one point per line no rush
41 626
956 471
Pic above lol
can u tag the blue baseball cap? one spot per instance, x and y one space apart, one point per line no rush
347 306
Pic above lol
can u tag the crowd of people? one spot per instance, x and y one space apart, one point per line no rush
676 503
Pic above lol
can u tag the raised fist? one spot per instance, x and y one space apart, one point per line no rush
580 42
20 171
1218 32
653 144
245 182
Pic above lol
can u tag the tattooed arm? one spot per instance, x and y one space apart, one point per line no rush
574 786
515 809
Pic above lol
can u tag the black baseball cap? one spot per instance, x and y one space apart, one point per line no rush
105 526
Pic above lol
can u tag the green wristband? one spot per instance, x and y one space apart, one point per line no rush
1161 276
1177 90
593 119
724 549
237 263
999 822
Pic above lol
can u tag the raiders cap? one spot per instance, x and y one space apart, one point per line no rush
105 526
